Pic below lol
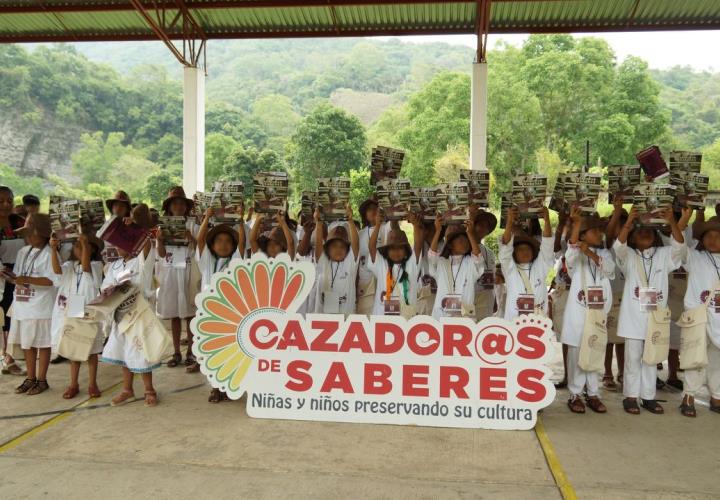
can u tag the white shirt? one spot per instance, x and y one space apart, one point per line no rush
209 265
365 274
703 278
455 275
595 276
380 268
335 290
538 271
658 263
36 263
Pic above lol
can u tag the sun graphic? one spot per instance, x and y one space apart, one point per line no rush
244 290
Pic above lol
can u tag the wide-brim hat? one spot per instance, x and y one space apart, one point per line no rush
36 224
523 238
177 193
699 230
658 242
453 231
120 196
591 222
396 237
338 233
141 216
221 229
489 218
363 208
276 235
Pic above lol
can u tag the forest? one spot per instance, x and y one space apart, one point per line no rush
315 108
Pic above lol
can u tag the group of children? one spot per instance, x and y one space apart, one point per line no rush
371 267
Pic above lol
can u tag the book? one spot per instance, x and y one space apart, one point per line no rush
65 219
130 238
557 200
581 189
308 202
333 195
393 197
691 188
453 202
270 192
92 214
528 195
478 182
622 180
385 163
651 200
652 162
424 203
230 196
505 205
687 161
173 230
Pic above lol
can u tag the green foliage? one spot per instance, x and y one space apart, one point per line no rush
95 160
241 164
19 184
360 188
159 183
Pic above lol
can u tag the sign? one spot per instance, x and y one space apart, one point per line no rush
378 369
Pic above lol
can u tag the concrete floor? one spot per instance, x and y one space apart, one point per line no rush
187 448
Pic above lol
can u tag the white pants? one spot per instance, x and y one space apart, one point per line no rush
638 378
578 378
710 375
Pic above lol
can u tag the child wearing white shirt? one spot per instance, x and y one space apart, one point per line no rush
484 223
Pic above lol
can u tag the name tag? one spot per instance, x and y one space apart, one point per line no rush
595 297
392 306
716 301
23 293
428 280
76 306
452 305
486 281
525 303
648 299
179 258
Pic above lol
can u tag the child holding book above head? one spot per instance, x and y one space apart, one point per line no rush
427 286
395 268
525 265
33 302
456 269
175 299
367 285
80 280
484 223
646 264
337 260
274 242
591 267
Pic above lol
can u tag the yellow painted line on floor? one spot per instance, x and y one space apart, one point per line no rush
13 443
561 480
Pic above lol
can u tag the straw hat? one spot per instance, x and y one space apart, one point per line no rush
38 224
395 237
177 193
337 233
276 235
221 229
120 196
591 222
141 216
487 217
363 208
453 231
699 230
522 238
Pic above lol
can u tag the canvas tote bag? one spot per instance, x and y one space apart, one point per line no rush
657 336
146 331
594 337
693 336
77 337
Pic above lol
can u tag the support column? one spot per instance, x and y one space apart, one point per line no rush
193 130
478 116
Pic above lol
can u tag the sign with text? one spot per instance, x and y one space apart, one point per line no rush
378 369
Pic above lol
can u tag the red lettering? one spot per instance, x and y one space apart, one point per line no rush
301 380
356 338
531 381
327 329
495 343
377 378
381 332
453 379
337 378
530 339
456 338
293 336
433 339
490 380
413 377
271 328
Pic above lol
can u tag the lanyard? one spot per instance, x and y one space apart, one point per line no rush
78 278
455 275
217 261
29 269
333 274
714 263
593 270
526 281
648 274
393 280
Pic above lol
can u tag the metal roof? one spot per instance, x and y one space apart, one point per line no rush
98 20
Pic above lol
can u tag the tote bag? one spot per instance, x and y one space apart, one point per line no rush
657 335
591 357
693 338
76 338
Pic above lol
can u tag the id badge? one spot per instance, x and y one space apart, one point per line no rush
331 302
486 281
595 297
428 280
452 305
525 303
76 306
716 301
61 301
179 258
392 306
23 293
648 299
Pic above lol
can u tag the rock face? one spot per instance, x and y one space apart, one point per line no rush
38 149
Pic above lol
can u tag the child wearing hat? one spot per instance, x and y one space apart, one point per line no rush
456 269
34 297
367 284
274 242
484 223
646 264
337 260
591 267
175 299
79 282
525 265
395 266
119 206
427 286
702 303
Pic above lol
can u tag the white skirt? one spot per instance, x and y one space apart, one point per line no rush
30 333
120 350
173 299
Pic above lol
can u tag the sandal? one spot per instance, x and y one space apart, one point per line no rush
193 368
652 406
215 396
561 385
659 384
123 397
151 398
175 361
630 406
675 383
225 397
27 384
595 404
609 384
576 405
94 391
39 387
190 359
12 369
620 379
713 407
71 392
687 408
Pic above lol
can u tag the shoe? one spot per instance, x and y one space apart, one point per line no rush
59 359
659 384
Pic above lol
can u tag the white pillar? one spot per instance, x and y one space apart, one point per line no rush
478 116
193 130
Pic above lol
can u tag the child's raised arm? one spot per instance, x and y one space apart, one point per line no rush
288 234
576 217
255 232
436 237
547 230
319 234
202 233
84 254
470 231
372 243
418 235
509 225
622 236
352 229
54 257
241 238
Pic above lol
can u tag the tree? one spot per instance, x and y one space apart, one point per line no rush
217 148
360 187
448 166
158 184
243 163
95 160
275 113
20 185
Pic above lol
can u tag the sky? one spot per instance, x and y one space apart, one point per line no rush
661 50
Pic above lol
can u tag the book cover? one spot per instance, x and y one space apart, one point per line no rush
505 205
453 202
230 196
652 200
270 192
691 188
130 238
557 200
393 197
93 214
424 202
528 195
478 182
385 163
687 161
652 162
308 202
587 189
333 195
622 180
65 219
173 230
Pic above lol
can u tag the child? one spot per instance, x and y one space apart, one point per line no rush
395 269
456 270
591 267
615 343
367 285
274 242
646 264
427 286
525 265
35 292
336 266
175 300
560 286
31 204
703 267
484 223
80 280
215 249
